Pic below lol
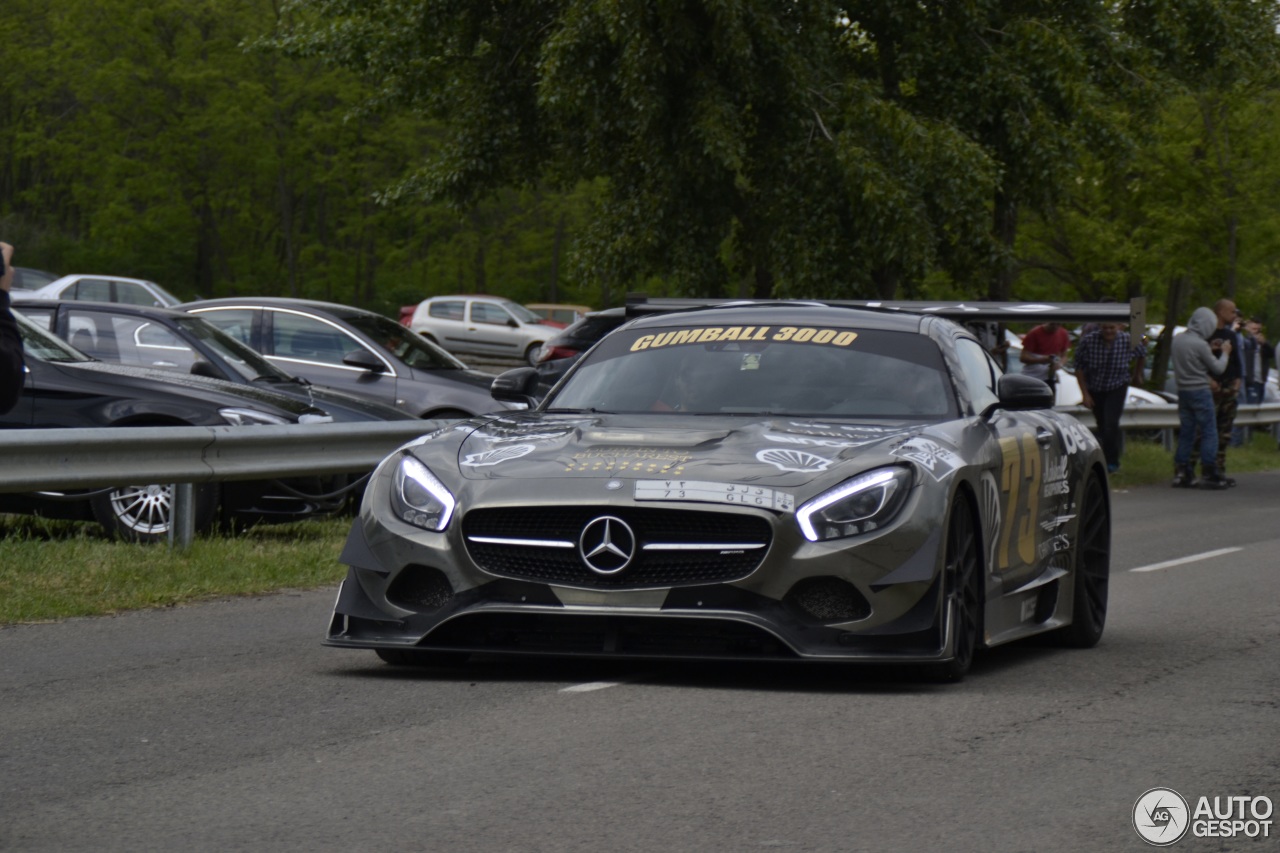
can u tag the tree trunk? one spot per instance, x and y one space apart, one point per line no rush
1178 288
1005 225
556 246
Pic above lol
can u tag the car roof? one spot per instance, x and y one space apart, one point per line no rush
335 308
782 313
91 305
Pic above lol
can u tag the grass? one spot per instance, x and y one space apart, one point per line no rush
52 570
1147 463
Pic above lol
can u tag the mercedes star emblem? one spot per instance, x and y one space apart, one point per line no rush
607 545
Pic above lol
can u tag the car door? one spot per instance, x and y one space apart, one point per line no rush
1027 446
493 330
446 324
314 347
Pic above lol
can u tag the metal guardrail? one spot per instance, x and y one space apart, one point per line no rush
36 459
47 459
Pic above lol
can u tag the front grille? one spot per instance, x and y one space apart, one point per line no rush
647 569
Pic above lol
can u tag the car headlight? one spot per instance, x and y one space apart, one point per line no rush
249 417
419 498
861 505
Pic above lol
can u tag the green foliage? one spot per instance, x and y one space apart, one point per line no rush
380 151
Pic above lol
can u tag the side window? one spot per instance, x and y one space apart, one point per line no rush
92 289
308 339
157 346
494 315
236 322
446 310
134 294
40 316
979 373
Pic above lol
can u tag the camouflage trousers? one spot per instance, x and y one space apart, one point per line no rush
1226 402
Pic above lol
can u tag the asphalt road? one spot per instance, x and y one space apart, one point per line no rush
228 726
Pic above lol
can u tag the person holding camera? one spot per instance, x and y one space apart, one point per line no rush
12 367
1042 351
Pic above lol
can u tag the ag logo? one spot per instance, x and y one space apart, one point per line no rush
1161 817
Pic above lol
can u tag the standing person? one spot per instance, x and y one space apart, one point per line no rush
12 367
1226 389
1194 365
1106 364
1042 350
1258 355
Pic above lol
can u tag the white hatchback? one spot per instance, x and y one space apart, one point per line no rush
482 325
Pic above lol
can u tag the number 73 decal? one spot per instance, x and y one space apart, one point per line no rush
1021 474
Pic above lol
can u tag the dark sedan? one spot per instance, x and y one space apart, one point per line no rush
563 350
354 350
162 338
64 389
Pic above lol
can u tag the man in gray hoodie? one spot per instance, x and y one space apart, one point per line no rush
1193 362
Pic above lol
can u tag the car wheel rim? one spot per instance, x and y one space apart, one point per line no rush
1095 555
143 509
962 569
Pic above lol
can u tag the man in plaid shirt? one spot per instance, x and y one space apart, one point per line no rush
1106 364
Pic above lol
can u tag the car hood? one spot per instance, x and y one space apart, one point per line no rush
343 407
780 452
216 390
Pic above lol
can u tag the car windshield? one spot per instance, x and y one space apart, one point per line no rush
44 346
782 370
524 315
410 347
247 362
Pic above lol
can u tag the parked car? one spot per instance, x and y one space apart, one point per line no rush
65 388
107 288
788 482
168 339
561 312
482 325
353 350
564 348
26 278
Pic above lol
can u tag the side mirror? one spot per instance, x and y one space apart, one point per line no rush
513 322
364 360
1020 392
516 386
200 367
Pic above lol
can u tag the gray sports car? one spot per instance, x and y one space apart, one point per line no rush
745 481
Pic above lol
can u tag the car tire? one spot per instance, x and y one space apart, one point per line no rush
1091 573
145 513
962 580
531 354
422 657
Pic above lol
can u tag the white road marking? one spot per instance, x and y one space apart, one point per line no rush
589 686
1168 564
602 685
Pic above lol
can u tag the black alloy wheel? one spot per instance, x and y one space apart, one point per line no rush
963 584
1092 571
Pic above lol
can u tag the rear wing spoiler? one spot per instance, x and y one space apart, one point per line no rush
1132 313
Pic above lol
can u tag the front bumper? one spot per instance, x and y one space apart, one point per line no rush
821 603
